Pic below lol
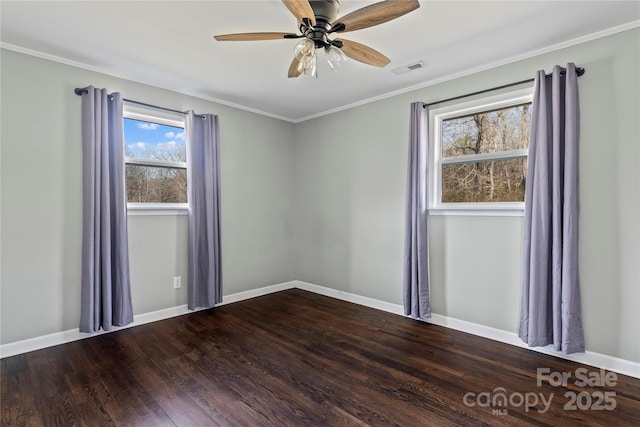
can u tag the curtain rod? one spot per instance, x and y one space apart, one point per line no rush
79 91
579 71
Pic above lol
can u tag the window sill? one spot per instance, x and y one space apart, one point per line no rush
157 209
477 211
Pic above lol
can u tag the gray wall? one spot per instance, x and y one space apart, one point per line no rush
349 199
41 192
327 210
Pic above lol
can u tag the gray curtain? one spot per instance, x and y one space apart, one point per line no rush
205 266
417 302
106 294
551 310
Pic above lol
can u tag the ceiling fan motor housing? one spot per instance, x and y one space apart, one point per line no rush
325 11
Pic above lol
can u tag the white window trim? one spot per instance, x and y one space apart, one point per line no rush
157 208
436 117
148 114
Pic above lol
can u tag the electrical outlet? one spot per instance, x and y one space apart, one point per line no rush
177 282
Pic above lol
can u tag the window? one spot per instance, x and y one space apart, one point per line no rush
479 154
155 160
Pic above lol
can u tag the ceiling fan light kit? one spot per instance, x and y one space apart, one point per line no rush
317 21
335 57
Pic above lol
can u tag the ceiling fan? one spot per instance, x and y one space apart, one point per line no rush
317 22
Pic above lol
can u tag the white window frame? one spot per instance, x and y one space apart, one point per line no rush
436 161
154 115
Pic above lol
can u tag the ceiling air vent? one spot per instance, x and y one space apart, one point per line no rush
406 68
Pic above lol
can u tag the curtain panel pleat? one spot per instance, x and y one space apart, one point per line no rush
416 298
204 242
551 306
105 289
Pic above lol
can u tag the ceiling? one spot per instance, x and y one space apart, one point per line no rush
170 44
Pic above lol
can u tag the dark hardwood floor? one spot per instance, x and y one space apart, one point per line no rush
295 358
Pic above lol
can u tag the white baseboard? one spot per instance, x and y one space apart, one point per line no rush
622 366
253 293
44 341
590 358
346 296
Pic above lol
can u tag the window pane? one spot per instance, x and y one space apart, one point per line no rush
147 140
492 181
147 184
487 132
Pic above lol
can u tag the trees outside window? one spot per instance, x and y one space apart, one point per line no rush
479 153
155 161
487 180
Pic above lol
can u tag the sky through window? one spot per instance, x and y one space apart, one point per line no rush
149 140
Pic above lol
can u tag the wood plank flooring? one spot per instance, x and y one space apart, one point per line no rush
295 358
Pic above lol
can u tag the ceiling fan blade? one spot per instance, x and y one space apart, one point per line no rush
301 9
243 37
294 70
375 14
363 53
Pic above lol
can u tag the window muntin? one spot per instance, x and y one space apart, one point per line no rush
478 151
155 160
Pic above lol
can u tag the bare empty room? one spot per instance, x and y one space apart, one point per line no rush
320 213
